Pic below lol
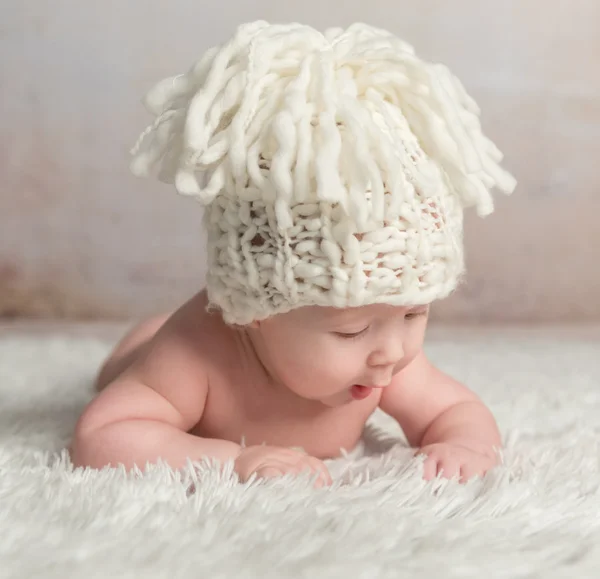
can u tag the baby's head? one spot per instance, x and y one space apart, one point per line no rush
335 169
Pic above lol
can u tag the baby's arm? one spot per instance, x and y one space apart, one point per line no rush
442 417
146 413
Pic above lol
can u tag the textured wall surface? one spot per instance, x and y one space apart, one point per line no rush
79 236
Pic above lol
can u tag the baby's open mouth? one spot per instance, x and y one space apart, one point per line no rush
359 392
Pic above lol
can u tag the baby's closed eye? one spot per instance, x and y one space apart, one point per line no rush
347 335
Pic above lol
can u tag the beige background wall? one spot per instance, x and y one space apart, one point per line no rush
80 237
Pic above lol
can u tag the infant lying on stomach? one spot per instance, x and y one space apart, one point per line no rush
335 171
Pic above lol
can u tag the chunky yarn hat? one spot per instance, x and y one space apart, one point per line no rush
334 168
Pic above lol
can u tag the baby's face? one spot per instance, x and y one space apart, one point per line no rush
322 353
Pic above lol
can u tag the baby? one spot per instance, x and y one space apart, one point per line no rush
334 169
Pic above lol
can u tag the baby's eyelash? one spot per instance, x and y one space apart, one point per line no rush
413 315
350 336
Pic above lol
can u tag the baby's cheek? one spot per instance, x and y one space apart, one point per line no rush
346 366
323 365
414 342
305 364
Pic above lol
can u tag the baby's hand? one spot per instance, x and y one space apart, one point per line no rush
455 460
273 461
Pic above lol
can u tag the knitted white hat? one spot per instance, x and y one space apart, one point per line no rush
335 168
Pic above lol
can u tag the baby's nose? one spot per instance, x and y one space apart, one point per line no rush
388 355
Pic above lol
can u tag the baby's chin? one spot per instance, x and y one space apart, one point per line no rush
333 400
338 399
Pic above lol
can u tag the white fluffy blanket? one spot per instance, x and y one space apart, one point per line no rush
538 515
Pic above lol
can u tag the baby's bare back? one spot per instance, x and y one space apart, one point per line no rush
242 403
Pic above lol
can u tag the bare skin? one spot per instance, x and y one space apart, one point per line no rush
188 386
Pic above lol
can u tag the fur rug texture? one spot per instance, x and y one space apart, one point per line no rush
537 515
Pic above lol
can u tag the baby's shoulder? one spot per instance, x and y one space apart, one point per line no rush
193 336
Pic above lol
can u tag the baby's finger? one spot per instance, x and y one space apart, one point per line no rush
275 468
306 466
270 471
314 467
290 455
324 475
319 465
471 470
320 482
448 468
430 468
468 472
